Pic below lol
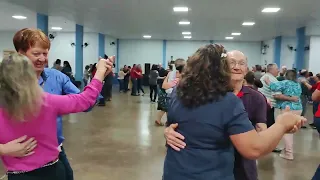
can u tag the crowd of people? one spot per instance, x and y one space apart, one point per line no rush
221 116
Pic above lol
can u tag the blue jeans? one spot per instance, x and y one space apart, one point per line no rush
121 85
63 158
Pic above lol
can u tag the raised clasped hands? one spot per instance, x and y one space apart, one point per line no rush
292 122
105 65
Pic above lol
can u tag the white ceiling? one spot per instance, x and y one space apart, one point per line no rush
210 19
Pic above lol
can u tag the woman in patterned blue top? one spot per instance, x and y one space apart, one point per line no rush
288 87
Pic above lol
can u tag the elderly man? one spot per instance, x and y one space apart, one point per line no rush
272 73
256 106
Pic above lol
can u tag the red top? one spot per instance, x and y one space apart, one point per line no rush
138 70
317 114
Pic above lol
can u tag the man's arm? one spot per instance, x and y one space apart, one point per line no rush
285 98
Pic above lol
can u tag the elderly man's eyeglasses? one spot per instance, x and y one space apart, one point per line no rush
235 63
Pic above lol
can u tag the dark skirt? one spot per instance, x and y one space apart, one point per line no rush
163 100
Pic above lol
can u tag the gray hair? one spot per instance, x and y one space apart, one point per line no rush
271 66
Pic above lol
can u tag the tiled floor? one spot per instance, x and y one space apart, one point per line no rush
120 142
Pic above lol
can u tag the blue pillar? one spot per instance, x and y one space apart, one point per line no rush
42 23
164 54
79 52
277 50
301 38
101 45
118 56
211 41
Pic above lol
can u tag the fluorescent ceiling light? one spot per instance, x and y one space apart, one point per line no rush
186 33
270 10
56 28
180 9
19 17
229 37
236 34
248 23
147 36
184 22
187 37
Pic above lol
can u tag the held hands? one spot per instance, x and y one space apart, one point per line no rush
20 147
104 67
290 121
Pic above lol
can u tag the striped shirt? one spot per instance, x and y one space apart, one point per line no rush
266 91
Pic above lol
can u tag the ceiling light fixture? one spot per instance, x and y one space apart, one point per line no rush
236 34
270 10
180 9
147 36
186 33
248 23
229 37
184 22
56 28
187 37
19 17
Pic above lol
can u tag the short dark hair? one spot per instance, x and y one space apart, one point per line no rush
154 67
249 77
291 75
205 78
258 68
58 61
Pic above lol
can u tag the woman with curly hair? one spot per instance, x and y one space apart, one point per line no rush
213 121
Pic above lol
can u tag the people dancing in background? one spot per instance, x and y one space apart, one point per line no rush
57 65
121 77
170 81
139 74
153 79
291 88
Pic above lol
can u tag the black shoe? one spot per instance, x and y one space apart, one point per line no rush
277 150
304 127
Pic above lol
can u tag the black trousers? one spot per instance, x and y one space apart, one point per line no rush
270 117
153 89
53 172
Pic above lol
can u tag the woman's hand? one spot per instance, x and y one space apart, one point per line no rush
104 67
20 147
290 121
174 139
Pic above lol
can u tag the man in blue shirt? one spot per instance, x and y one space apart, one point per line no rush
35 45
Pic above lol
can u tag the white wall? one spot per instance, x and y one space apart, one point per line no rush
91 52
6 42
150 51
314 62
182 49
140 52
61 49
110 49
307 54
267 58
251 49
288 56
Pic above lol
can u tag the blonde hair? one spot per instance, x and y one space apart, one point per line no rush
20 93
